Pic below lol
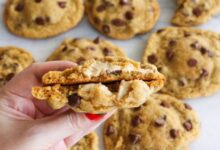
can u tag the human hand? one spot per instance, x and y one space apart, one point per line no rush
27 124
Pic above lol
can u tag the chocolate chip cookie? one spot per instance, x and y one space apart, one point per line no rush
101 85
42 18
162 123
189 58
195 12
122 19
79 50
12 61
88 142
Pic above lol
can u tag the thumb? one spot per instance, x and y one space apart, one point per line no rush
57 128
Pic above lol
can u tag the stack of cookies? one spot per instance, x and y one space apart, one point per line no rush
178 63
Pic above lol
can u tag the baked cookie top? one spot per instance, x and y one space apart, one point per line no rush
189 58
12 61
122 19
42 18
195 12
90 142
79 50
162 123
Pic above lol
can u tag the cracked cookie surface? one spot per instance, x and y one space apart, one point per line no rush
42 18
122 19
80 50
12 61
162 123
189 58
195 12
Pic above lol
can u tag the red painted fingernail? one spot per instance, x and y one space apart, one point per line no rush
94 116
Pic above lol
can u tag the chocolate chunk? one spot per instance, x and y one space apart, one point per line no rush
197 12
74 100
38 1
113 87
118 22
136 121
101 8
174 133
192 62
196 45
40 21
80 60
96 40
188 125
107 52
9 76
172 43
19 7
134 138
65 48
165 104
137 108
204 73
106 29
169 55
187 106
129 15
152 59
61 4
110 130
203 50
187 34
116 72
160 122
123 2
91 48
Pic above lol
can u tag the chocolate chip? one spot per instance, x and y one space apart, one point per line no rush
110 130
136 121
74 100
152 59
61 4
192 62
101 8
80 60
160 31
65 48
197 12
172 43
96 20
169 55
38 1
134 138
187 106
137 108
195 45
174 133
165 104
106 29
204 73
187 34
9 76
129 15
116 72
19 7
118 22
40 21
113 87
107 52
160 122
123 2
96 40
203 50
91 48
188 125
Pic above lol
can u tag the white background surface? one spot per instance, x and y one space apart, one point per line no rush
208 108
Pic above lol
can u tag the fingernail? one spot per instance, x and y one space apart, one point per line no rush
94 116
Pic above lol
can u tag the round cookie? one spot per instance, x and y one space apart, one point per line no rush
189 58
90 142
195 12
162 123
122 19
42 18
79 50
12 61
